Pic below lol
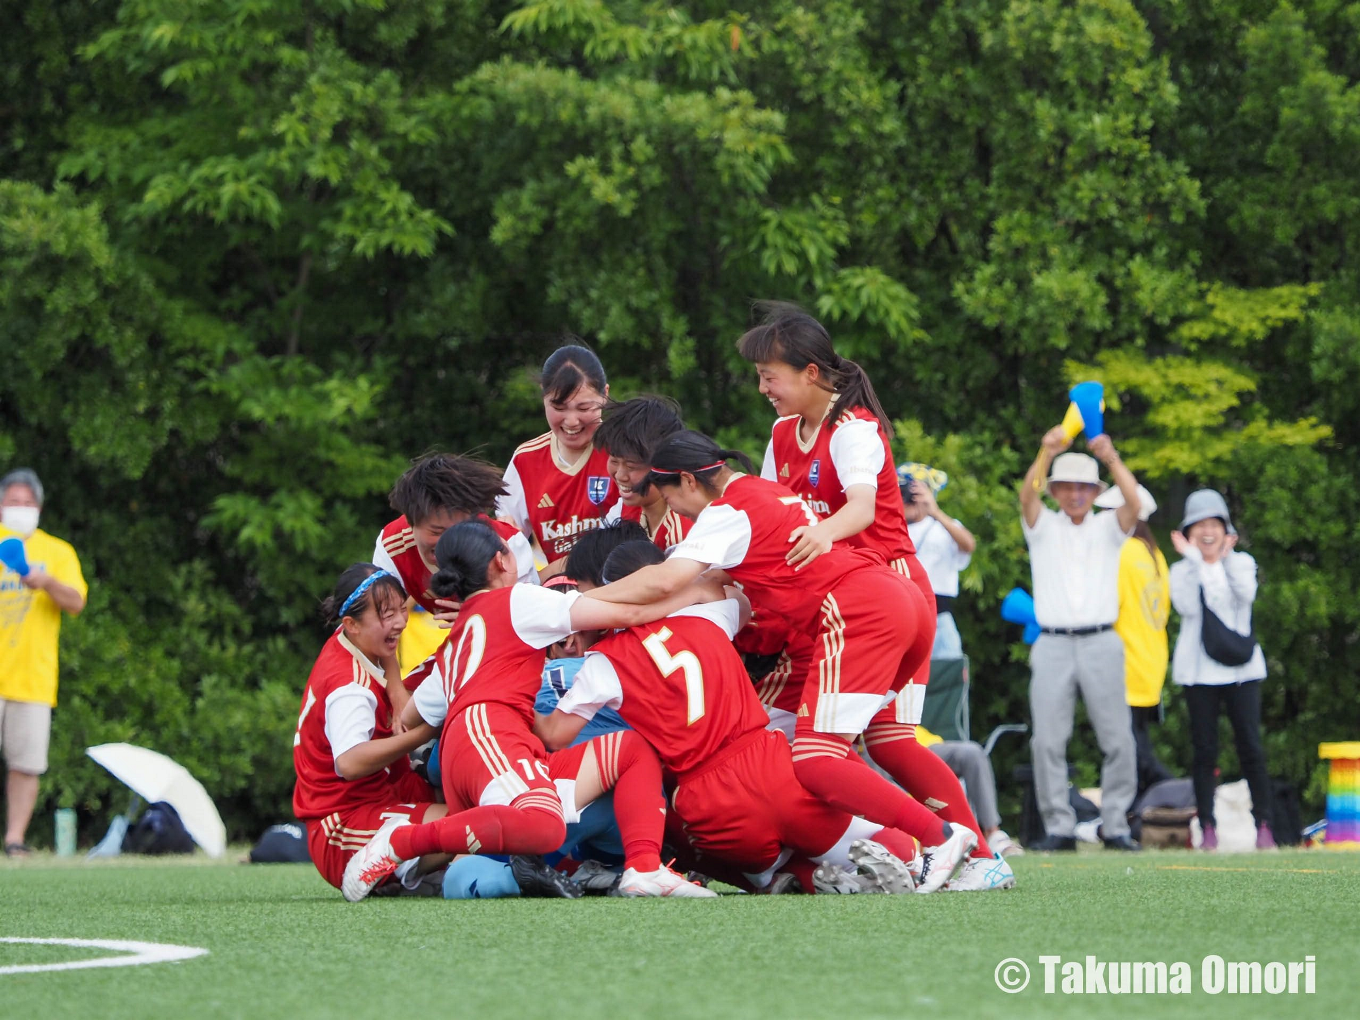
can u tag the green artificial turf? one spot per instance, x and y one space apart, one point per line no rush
284 944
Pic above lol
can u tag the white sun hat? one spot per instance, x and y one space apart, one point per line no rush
1076 467
1113 499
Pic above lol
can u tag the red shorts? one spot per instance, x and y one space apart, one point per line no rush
745 806
867 646
333 840
488 756
919 652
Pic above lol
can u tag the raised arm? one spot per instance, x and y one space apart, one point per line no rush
1055 441
1103 449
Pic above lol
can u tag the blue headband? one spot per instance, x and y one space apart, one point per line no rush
358 592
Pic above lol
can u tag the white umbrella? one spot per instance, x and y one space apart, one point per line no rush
153 776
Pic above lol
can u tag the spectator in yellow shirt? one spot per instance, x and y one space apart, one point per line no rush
1144 608
31 605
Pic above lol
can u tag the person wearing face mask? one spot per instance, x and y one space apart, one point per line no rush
35 589
1215 580
1074 559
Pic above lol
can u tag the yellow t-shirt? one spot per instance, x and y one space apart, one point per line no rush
30 622
421 639
1144 607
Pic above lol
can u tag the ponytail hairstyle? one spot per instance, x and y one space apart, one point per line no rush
464 554
695 454
379 593
631 557
568 369
585 562
791 335
1143 533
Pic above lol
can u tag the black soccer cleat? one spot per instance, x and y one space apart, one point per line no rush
535 878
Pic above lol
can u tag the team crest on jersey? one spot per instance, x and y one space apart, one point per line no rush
597 488
815 471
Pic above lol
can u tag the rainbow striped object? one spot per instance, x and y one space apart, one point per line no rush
1343 794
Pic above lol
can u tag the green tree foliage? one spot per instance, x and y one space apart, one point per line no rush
254 255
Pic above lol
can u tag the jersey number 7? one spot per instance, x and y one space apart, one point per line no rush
669 664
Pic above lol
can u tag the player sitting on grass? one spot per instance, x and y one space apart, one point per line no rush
497 778
680 683
352 771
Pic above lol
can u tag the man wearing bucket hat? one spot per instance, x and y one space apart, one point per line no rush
1144 607
1074 560
1217 659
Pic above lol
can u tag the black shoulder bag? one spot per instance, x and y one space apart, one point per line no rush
1221 643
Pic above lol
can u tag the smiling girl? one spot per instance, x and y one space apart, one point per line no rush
558 485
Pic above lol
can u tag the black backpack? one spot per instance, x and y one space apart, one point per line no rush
158 831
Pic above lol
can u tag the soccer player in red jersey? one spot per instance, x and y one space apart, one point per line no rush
864 617
352 771
680 684
831 445
497 778
558 485
628 433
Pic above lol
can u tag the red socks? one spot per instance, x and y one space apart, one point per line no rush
896 842
483 830
922 773
630 768
853 787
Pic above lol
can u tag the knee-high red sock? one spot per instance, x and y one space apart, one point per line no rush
821 765
922 773
630 768
896 842
496 829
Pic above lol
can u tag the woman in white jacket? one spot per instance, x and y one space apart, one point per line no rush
1227 580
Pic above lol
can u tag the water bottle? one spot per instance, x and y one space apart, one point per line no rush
66 832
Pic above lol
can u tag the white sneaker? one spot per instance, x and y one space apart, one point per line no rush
661 882
981 874
888 872
367 868
941 863
832 878
1002 844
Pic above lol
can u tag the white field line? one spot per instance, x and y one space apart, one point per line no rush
141 952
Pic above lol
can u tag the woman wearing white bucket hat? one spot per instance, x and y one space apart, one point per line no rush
1213 589
1144 608
1074 559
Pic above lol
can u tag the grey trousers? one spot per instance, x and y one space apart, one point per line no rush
967 760
1062 666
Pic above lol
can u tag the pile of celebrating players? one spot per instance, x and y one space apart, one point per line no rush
653 668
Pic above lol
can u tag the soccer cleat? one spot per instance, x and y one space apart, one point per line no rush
832 878
536 879
888 872
981 874
372 864
661 882
941 863
595 879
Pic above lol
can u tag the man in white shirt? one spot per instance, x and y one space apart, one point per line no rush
944 547
1074 559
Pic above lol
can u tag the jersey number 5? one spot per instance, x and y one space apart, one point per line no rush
686 661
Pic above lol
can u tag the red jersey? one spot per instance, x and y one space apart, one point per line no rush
345 704
396 553
495 651
745 531
850 450
678 682
555 503
669 532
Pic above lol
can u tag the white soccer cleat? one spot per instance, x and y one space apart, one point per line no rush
941 863
888 872
372 864
832 878
981 874
661 882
